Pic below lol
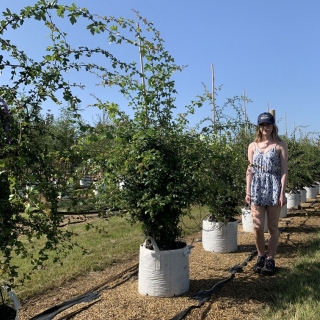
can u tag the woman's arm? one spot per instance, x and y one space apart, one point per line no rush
249 173
284 172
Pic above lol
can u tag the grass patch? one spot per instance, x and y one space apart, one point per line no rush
119 241
297 293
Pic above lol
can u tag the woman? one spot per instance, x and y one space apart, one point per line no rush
266 183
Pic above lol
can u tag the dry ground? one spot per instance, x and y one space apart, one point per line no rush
244 297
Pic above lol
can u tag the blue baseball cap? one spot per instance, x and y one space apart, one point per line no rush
266 117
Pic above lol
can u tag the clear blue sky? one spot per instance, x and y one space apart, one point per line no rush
270 49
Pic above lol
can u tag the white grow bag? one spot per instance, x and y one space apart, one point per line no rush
86 181
247 220
293 200
311 192
163 273
303 195
316 185
283 211
220 237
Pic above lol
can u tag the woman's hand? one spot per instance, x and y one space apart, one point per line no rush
282 200
248 199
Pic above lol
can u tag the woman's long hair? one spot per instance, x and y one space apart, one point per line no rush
274 134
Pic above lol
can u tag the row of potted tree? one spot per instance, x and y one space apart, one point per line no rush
149 163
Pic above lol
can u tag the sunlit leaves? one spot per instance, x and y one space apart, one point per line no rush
61 11
157 156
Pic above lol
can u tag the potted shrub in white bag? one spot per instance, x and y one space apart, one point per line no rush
158 161
224 199
160 172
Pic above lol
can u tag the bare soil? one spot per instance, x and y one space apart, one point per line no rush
243 297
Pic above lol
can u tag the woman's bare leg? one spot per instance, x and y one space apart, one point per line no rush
258 216
273 213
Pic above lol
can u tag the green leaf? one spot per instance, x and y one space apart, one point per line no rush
60 11
73 19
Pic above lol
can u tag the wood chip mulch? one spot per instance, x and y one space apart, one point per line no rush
244 297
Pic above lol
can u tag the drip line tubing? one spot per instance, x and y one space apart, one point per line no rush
204 295
92 296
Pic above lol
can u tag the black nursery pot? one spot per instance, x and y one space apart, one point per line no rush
7 312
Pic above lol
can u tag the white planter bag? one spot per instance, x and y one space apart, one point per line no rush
298 199
293 200
220 237
316 184
86 181
283 211
311 192
163 273
303 195
315 191
98 188
247 221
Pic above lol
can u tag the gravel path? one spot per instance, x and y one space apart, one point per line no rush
241 298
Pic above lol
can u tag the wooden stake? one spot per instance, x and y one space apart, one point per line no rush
273 112
285 125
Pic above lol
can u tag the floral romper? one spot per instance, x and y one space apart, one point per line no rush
266 180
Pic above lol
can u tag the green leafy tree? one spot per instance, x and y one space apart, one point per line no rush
152 153
300 163
153 166
27 162
226 190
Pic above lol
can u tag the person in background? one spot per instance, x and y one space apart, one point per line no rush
266 181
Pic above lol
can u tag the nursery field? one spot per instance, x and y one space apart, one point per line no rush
78 197
245 296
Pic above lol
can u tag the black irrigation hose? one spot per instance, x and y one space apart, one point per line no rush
215 289
49 314
74 313
6 311
89 296
204 295
125 279
92 296
103 286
